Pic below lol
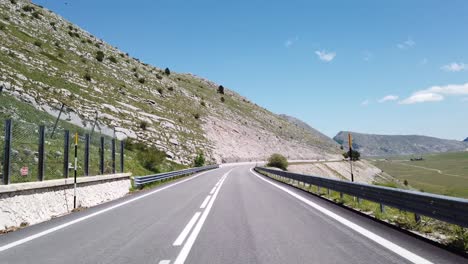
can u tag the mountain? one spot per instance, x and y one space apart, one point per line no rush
46 61
466 140
306 127
389 145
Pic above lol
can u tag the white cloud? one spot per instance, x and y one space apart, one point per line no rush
365 103
325 56
389 98
289 42
454 67
409 43
436 93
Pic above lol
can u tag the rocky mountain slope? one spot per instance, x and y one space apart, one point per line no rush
390 145
46 61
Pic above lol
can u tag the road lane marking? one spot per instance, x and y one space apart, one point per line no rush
181 238
193 236
165 261
372 236
53 229
213 190
205 202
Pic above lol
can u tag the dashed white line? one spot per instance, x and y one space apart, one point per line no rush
181 238
165 261
372 236
205 202
193 236
51 230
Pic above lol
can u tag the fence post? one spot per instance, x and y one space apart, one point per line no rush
101 157
122 145
66 153
7 152
40 169
113 156
417 218
86 155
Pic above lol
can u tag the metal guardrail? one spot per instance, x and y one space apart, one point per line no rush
449 209
139 181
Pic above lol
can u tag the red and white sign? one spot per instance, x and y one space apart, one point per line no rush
24 171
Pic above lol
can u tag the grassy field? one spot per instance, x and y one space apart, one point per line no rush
445 173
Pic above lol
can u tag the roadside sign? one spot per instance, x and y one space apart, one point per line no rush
24 171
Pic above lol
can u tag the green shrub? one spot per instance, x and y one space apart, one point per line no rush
37 15
221 89
278 161
87 76
160 91
13 2
222 99
196 116
199 160
170 88
167 71
38 43
203 103
149 157
142 80
355 155
2 26
143 125
113 59
99 56
28 8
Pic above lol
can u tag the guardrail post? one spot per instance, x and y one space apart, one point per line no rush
7 152
101 157
417 218
86 155
318 190
382 208
328 192
40 168
341 195
122 145
113 156
66 152
359 200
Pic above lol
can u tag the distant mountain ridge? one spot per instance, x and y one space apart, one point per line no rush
393 145
466 140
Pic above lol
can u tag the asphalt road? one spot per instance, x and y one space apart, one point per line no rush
228 215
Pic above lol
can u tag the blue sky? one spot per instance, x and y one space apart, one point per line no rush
329 63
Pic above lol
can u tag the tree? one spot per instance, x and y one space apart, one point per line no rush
278 161
405 182
354 156
199 160
167 71
221 89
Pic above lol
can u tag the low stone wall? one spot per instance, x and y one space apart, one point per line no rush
34 202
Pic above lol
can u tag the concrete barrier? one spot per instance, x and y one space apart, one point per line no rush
34 202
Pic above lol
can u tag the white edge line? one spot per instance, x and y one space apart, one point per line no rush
51 230
196 230
181 238
372 236
205 202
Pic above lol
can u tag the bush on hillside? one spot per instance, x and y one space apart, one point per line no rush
221 89
199 160
222 99
28 8
167 71
148 156
355 156
278 161
113 59
38 43
142 80
100 56
87 76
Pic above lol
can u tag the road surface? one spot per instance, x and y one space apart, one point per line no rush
227 215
